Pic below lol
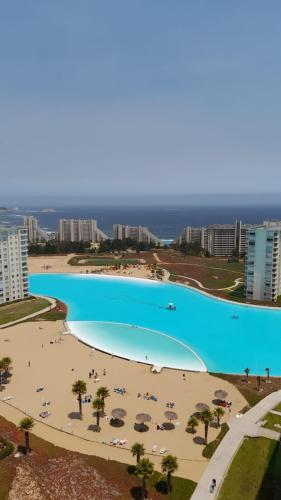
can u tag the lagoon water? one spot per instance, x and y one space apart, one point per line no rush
128 317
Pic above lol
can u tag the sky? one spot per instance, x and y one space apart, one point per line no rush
135 98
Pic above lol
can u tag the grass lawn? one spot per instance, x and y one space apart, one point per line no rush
17 310
101 261
278 407
272 419
255 473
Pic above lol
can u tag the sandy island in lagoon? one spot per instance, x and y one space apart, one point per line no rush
51 367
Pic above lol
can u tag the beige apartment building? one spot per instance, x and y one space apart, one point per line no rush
80 230
136 233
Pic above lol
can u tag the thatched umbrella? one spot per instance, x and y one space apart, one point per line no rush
221 394
143 417
201 407
118 413
170 415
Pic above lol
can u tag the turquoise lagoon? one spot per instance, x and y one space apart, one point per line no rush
128 317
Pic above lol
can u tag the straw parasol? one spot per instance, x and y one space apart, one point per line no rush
202 407
221 394
118 413
143 417
170 415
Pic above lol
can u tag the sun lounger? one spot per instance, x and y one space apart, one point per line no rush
44 414
154 448
40 388
123 441
45 403
115 441
7 398
96 379
163 450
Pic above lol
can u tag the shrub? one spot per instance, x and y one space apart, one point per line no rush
8 448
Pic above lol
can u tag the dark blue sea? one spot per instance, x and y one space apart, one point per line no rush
165 222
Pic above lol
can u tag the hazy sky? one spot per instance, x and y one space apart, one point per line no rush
139 96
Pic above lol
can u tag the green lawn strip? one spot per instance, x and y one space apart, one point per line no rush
49 316
181 488
278 407
101 261
272 419
211 447
17 310
248 471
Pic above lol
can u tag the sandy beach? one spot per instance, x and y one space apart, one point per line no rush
56 365
59 264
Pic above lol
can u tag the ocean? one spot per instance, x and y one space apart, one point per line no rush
165 222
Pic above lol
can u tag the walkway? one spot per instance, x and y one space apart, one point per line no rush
29 316
237 282
224 454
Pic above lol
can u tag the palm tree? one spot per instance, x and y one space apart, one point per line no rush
206 417
79 387
267 373
259 382
6 363
138 451
169 465
218 413
98 405
193 423
25 426
247 371
102 393
144 470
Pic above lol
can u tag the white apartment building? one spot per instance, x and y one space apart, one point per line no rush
80 230
263 262
13 264
136 233
220 240
35 233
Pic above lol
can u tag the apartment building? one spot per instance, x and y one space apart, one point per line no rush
34 231
136 233
220 240
13 264
263 262
80 230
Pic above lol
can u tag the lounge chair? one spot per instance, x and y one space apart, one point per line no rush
123 441
163 450
44 414
115 441
154 448
40 388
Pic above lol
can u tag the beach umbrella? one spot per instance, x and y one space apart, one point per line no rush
118 413
201 407
220 394
143 417
171 415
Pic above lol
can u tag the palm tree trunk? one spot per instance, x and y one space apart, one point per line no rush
138 458
80 405
98 418
206 432
168 483
218 420
144 488
26 434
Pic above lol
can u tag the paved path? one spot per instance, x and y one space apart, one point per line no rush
237 281
46 309
222 458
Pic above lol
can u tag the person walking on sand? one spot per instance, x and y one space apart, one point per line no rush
28 363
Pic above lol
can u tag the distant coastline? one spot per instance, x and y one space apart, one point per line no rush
165 221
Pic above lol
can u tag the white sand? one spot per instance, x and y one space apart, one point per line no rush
59 264
51 366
